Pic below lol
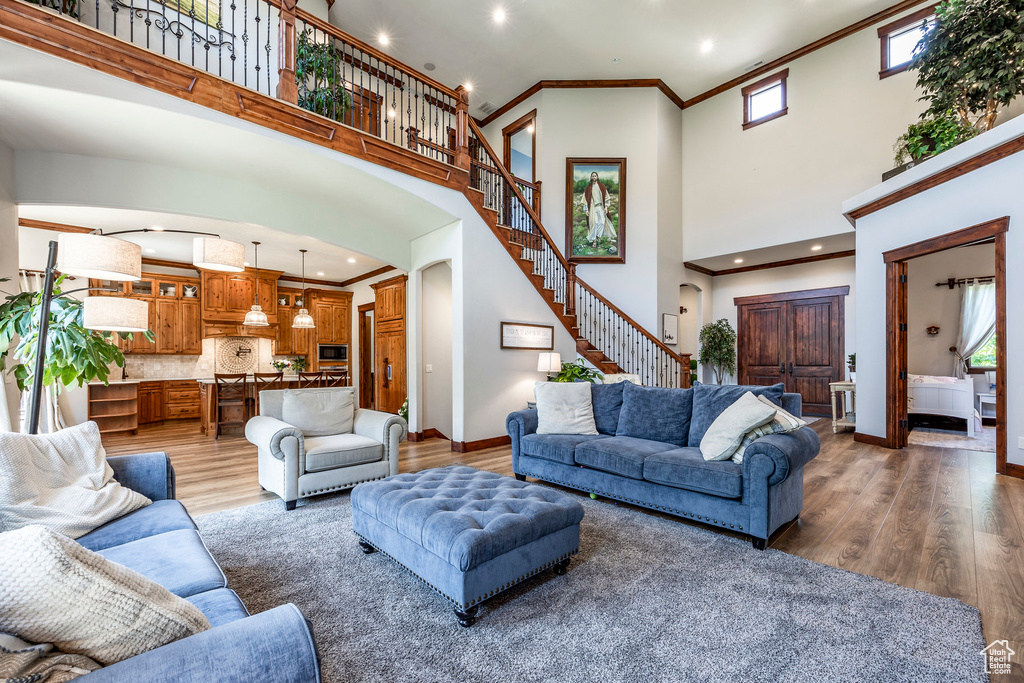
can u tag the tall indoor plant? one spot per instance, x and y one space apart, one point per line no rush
319 79
74 355
718 348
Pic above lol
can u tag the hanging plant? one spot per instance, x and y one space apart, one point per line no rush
318 77
74 354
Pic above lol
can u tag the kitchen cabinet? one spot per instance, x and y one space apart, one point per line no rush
181 399
174 315
151 402
290 341
227 297
333 314
390 344
189 335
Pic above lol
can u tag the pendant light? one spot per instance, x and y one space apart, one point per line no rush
256 317
214 253
99 257
303 320
115 314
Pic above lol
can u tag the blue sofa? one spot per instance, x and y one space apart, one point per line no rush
647 453
161 542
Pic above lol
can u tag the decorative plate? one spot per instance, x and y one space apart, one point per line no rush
236 354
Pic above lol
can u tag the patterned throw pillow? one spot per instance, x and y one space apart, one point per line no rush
729 429
783 422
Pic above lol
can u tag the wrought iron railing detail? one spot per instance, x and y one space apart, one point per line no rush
599 323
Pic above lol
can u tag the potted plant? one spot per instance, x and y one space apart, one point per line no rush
968 67
927 138
319 79
851 363
280 365
693 371
299 363
718 348
74 355
576 371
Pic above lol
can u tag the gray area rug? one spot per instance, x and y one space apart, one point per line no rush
985 440
647 599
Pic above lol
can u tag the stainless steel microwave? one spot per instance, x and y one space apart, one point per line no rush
333 353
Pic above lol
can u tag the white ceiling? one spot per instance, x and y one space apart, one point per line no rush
782 252
278 250
578 39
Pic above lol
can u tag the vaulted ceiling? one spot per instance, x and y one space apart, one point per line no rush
693 45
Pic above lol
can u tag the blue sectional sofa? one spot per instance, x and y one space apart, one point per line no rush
161 542
647 453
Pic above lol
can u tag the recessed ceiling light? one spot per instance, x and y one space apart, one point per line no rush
320 274
151 251
739 260
351 260
816 247
616 60
468 86
391 113
383 39
499 15
157 228
529 129
707 46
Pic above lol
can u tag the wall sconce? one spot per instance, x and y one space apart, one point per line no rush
932 329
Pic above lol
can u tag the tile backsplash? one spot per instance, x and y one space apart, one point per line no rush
191 367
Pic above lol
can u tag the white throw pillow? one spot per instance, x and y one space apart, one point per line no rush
319 412
62 481
727 431
53 590
783 422
565 408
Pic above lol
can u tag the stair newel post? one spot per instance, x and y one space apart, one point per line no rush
462 157
570 290
287 89
684 371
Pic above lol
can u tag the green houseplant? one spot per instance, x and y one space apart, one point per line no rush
74 354
972 62
318 77
851 363
299 363
576 371
930 136
718 348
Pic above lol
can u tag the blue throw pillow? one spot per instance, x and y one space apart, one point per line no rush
655 413
711 400
607 401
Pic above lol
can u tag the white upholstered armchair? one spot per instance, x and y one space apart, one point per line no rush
296 465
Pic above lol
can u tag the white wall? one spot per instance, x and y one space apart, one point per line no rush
990 192
931 305
8 268
784 180
436 297
821 274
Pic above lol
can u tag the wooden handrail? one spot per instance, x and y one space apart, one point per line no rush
515 188
333 30
632 322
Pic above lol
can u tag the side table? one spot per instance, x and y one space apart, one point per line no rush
841 417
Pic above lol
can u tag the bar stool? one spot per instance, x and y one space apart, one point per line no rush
310 380
335 378
265 381
232 390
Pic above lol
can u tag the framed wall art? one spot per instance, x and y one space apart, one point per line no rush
527 336
595 210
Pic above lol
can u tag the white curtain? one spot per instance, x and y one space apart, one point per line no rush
977 321
51 419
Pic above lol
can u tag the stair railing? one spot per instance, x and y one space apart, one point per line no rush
602 324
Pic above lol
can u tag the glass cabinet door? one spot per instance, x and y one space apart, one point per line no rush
142 288
190 291
167 289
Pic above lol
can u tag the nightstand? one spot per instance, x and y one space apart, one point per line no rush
986 400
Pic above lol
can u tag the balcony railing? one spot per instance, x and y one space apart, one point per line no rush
273 48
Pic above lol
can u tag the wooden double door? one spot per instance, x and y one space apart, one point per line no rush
796 338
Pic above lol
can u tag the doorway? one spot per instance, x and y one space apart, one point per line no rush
520 157
796 338
897 420
366 393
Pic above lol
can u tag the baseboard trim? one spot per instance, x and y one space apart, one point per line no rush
1013 470
469 446
860 437
415 437
431 433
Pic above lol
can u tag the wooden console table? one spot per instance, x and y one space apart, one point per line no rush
841 418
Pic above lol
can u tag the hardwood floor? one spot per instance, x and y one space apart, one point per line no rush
938 520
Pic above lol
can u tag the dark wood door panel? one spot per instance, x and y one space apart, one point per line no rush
762 339
812 324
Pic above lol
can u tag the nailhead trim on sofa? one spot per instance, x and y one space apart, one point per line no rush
479 599
678 513
314 492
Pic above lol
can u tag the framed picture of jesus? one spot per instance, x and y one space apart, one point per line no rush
595 210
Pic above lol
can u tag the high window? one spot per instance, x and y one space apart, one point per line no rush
765 100
899 39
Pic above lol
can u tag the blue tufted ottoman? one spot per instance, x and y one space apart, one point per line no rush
466 533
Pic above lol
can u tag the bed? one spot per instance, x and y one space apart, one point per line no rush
948 396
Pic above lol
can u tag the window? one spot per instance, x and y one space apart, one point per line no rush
765 100
985 357
203 10
901 37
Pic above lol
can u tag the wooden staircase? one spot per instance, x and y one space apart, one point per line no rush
608 338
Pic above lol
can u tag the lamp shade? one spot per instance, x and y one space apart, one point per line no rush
99 257
115 314
213 253
256 317
549 362
303 320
